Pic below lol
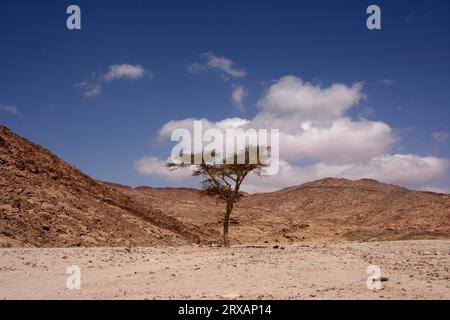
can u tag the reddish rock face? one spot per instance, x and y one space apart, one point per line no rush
46 202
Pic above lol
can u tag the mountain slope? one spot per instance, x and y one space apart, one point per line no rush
47 202
361 210
328 209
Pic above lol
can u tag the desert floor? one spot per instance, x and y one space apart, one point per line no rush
415 270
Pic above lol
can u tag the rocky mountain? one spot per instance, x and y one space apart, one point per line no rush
359 210
328 209
46 202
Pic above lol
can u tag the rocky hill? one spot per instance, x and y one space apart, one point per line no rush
328 209
46 202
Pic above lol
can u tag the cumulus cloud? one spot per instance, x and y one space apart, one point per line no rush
230 123
94 85
441 136
403 169
156 167
10 109
291 96
342 141
238 96
124 71
315 129
220 64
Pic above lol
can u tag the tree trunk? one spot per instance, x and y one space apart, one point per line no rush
226 239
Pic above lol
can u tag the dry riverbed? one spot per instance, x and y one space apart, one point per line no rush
414 270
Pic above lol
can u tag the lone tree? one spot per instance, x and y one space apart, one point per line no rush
223 177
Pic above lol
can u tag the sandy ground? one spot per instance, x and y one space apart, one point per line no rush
414 270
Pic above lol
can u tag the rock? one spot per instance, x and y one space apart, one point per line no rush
45 215
34 169
382 279
3 143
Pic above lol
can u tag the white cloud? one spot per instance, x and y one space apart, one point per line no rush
10 109
403 169
322 135
441 136
195 68
155 167
292 97
124 71
213 62
342 141
406 170
238 96
94 85
166 130
89 89
314 127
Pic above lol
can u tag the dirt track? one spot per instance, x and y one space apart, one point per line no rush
415 270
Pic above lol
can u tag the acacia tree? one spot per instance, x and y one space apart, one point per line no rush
224 177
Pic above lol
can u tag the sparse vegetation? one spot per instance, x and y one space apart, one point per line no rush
224 176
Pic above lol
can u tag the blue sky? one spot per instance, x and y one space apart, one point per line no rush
404 70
